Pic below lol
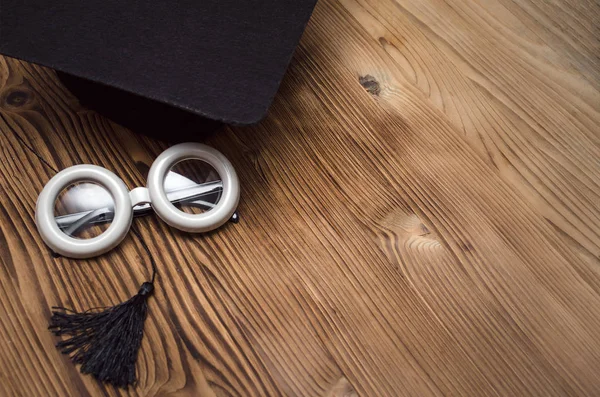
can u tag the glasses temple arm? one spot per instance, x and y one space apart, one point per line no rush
72 222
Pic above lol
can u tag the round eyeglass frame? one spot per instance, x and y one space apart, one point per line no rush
125 200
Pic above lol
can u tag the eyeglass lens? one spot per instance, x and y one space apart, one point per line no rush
84 210
193 186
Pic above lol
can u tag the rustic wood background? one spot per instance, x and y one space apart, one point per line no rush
420 216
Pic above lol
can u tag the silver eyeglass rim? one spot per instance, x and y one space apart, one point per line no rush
124 200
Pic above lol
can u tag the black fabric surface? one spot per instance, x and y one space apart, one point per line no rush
220 59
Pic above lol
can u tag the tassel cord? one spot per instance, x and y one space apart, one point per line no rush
147 249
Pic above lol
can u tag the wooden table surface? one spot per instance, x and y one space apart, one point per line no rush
420 216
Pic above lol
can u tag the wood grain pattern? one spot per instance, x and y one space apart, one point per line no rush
420 216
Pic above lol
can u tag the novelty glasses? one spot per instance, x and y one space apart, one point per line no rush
86 210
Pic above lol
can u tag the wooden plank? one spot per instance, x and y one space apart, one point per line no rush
432 232
519 128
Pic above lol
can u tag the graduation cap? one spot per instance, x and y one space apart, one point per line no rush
161 63
156 60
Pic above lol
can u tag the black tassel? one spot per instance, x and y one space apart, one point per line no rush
105 343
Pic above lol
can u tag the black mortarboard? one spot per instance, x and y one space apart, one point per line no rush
221 59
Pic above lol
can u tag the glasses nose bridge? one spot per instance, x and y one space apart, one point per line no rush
139 196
